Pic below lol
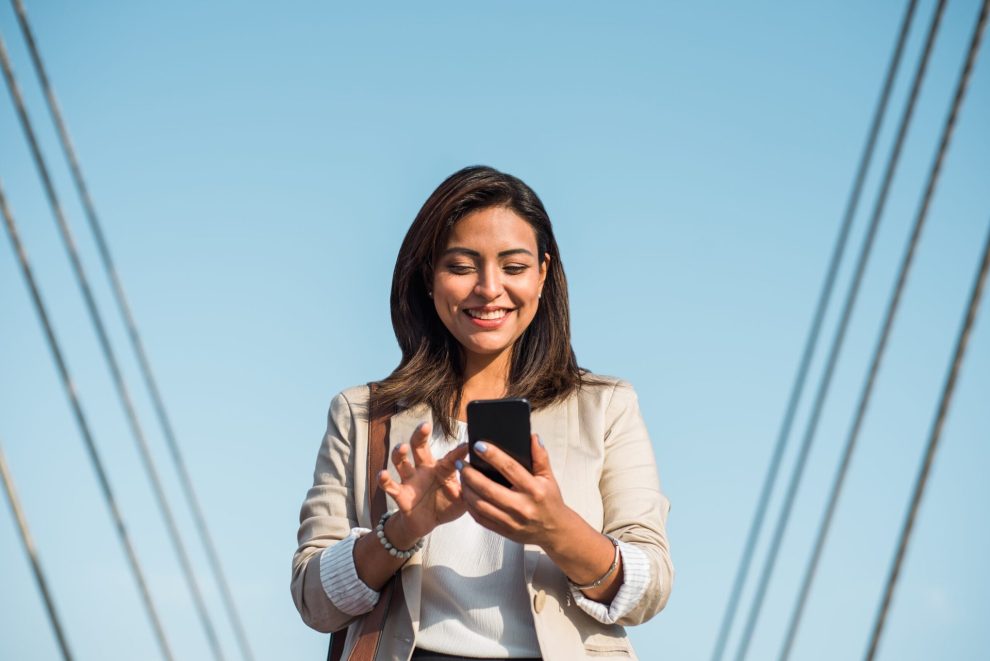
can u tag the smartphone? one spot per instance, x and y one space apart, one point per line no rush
501 422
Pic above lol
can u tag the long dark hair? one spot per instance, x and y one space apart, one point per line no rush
543 369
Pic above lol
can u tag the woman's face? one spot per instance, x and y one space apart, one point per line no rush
487 281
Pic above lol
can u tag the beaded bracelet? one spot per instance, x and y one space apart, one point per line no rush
398 553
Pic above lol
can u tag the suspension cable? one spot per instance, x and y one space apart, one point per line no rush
81 421
881 344
837 342
797 389
109 356
39 574
945 400
929 456
137 343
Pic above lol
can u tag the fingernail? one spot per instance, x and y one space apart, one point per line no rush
539 440
481 447
459 465
420 426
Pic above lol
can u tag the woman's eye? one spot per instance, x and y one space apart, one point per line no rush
460 269
515 269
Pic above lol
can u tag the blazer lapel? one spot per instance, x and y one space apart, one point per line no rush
552 426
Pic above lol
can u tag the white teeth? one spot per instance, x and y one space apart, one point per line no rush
486 314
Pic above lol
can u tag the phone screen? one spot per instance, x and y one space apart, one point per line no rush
504 423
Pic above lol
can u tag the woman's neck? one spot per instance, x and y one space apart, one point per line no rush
485 377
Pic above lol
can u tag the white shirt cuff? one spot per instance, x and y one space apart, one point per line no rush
635 580
339 576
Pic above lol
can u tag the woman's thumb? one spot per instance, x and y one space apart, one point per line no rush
541 460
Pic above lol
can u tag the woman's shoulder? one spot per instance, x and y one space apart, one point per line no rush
350 403
593 383
604 390
607 402
358 394
353 402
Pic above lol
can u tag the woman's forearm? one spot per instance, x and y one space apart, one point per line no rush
373 563
585 555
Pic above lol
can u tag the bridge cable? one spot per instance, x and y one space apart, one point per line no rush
137 343
943 409
81 421
108 354
39 574
881 344
837 341
812 340
932 447
930 450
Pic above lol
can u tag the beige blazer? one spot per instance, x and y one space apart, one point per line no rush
603 461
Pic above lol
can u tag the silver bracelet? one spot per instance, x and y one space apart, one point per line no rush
611 570
392 550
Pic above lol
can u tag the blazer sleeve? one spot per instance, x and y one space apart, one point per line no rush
326 517
635 510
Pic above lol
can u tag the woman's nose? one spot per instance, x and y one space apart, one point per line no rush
489 285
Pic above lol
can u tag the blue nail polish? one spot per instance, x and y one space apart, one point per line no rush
539 440
481 447
459 465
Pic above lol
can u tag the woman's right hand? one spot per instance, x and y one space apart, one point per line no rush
429 493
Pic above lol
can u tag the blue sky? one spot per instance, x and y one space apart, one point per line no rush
256 166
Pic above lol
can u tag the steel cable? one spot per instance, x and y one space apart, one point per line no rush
881 343
82 423
797 389
843 325
32 553
108 354
949 387
134 335
930 449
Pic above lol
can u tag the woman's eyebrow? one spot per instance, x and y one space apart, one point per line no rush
474 253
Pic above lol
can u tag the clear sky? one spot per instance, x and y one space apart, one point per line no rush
256 166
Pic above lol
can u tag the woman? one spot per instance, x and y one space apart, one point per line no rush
556 565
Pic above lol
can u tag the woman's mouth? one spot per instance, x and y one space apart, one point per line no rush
487 315
488 318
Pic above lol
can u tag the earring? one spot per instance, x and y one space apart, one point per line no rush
430 294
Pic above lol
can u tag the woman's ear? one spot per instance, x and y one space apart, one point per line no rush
428 281
544 269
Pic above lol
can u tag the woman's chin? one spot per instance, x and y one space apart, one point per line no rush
486 349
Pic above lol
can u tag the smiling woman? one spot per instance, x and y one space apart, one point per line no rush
549 568
488 282
469 231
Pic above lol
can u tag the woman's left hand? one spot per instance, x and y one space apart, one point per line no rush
533 512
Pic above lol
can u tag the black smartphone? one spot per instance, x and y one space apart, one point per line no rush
501 422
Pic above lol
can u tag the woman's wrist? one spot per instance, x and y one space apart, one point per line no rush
598 582
398 532
586 556
562 536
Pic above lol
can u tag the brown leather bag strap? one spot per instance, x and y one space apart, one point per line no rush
337 640
378 429
373 623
